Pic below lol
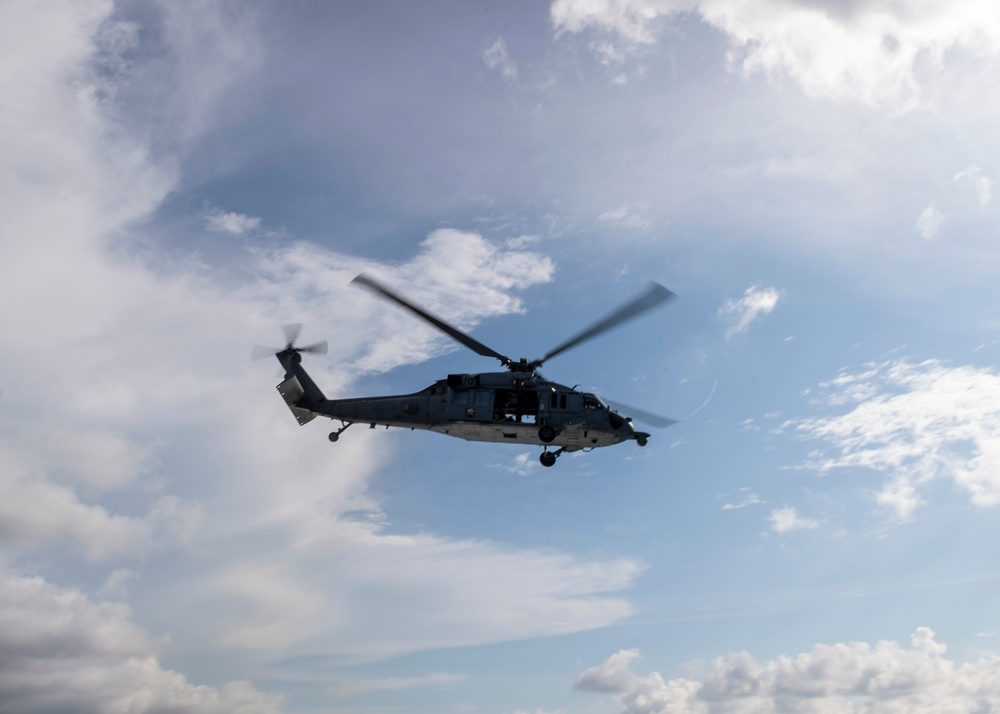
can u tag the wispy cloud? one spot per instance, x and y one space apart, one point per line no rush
498 58
973 178
749 499
929 222
757 301
395 684
626 216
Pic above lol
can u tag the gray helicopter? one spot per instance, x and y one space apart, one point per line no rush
518 406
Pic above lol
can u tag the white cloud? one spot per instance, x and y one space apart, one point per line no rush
59 651
786 519
875 53
929 222
523 464
496 57
974 179
914 423
236 224
842 677
757 301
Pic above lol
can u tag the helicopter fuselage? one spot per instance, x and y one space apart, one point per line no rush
500 407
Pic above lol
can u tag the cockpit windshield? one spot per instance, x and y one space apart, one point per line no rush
591 401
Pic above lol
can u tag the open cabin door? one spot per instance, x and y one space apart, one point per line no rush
516 405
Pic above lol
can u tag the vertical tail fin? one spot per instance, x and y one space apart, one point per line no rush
298 389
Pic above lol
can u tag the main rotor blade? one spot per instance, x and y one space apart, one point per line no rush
643 416
654 295
454 333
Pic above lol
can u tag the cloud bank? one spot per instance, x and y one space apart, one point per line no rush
60 651
829 679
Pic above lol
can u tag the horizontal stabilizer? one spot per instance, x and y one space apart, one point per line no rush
292 392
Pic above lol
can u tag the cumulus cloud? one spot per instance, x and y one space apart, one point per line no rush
787 519
868 52
756 302
60 651
913 423
497 58
842 677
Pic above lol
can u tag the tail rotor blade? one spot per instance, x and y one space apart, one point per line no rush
291 332
317 348
260 352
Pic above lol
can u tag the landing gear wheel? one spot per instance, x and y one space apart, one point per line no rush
547 458
334 435
640 440
547 434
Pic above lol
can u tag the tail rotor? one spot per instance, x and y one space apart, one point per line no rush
291 333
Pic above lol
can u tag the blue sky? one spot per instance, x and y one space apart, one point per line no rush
816 180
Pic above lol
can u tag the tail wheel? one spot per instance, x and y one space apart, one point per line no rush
547 434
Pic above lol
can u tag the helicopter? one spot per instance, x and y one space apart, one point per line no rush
516 406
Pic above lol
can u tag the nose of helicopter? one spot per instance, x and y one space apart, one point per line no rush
622 426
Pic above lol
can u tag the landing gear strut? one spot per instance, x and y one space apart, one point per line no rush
334 435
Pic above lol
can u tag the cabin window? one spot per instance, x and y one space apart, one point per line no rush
460 397
553 400
562 401
482 398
